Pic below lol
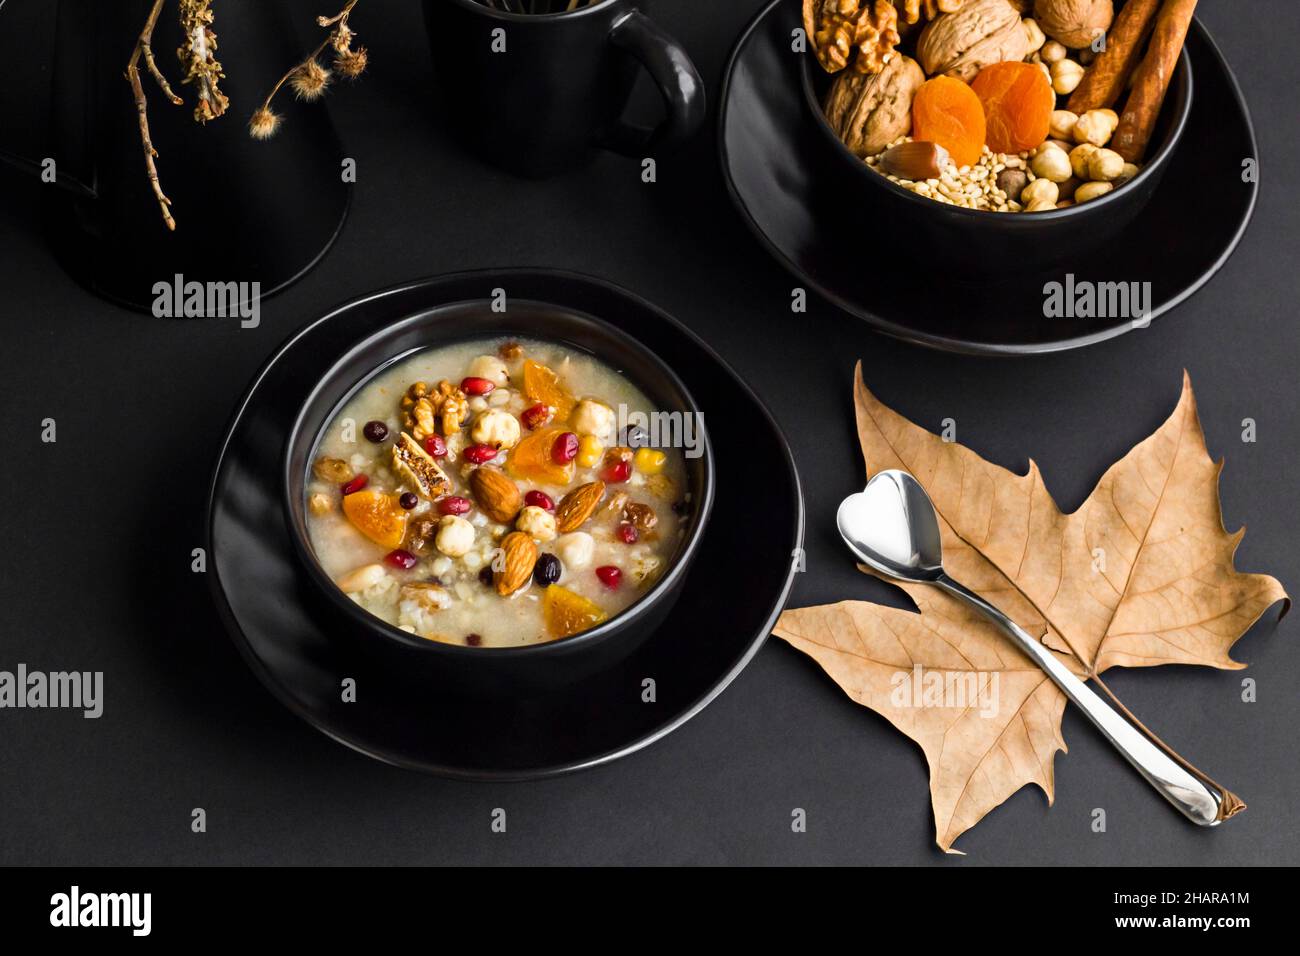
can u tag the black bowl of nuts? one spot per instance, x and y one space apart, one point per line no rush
510 495
998 136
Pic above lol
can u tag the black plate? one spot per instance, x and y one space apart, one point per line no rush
418 718
773 158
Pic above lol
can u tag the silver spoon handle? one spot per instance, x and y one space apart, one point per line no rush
1191 796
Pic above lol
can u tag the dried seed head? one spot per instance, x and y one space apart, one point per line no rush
309 81
351 63
342 38
263 124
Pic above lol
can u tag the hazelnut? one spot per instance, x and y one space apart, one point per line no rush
1052 164
536 523
1063 122
1066 76
455 536
1035 34
1052 52
1090 191
1040 191
1129 171
1105 165
594 418
1079 157
496 427
1096 127
1013 182
1041 205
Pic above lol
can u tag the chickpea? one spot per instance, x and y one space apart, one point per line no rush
575 550
1063 124
1079 157
1040 191
1052 164
1090 191
1105 165
491 368
455 536
1052 52
1066 76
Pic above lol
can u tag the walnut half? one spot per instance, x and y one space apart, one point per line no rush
839 28
981 33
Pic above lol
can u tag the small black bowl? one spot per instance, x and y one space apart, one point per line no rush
973 242
497 670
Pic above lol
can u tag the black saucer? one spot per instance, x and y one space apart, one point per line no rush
773 159
417 718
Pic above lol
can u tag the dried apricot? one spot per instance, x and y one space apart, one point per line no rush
1018 103
531 459
378 516
543 386
567 613
947 111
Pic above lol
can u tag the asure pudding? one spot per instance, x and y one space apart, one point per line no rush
489 494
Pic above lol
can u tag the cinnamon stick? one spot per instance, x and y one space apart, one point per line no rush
1109 74
1151 81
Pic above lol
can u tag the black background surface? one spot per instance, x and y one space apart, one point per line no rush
97 529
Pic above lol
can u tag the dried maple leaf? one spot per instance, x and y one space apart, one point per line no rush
1142 574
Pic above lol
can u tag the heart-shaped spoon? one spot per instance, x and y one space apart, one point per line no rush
892 526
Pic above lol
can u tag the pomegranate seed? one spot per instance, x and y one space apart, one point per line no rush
477 386
565 448
454 505
480 454
627 533
435 446
401 559
619 471
610 576
536 416
355 485
539 499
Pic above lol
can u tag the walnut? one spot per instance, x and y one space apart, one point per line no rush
915 10
421 408
839 27
869 112
1074 23
981 33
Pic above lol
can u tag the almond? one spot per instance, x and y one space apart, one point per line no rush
576 507
519 554
497 496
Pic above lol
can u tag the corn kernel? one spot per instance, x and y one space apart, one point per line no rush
589 451
649 461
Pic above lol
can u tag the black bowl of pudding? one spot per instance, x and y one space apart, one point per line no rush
514 497
990 238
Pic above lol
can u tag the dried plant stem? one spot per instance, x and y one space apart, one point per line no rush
144 51
264 121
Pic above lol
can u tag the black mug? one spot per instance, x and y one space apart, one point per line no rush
539 93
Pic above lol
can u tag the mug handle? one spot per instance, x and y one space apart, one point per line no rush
672 70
